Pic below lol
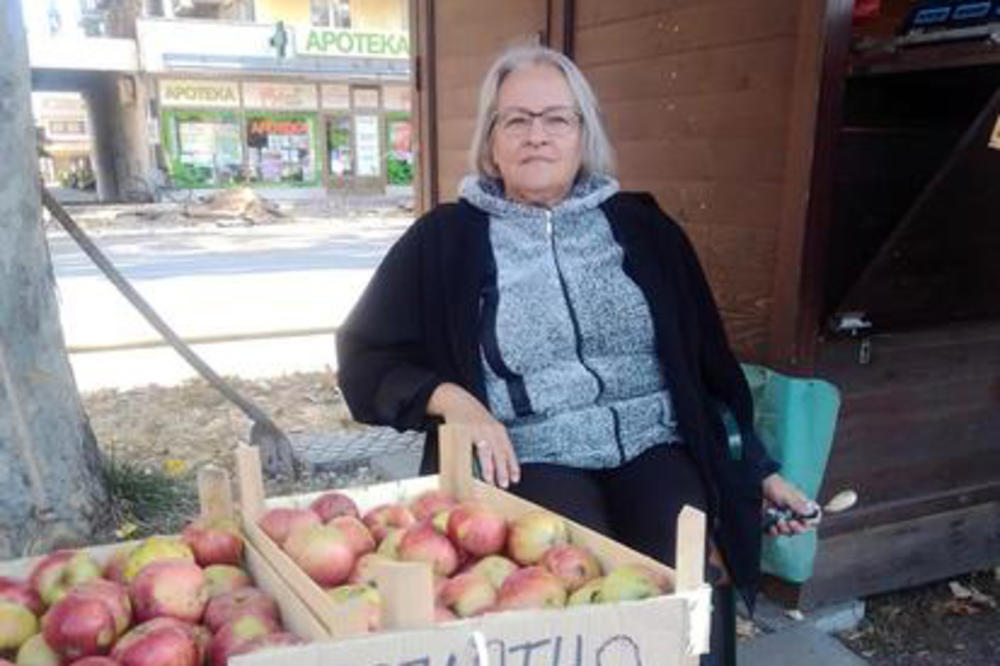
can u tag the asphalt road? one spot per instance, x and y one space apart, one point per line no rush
216 282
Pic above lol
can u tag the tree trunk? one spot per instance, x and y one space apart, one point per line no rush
52 492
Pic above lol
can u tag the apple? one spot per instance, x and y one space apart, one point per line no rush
429 503
468 594
58 572
261 643
78 627
199 634
588 593
279 522
495 568
114 567
381 518
389 545
357 534
95 661
17 624
443 614
330 505
364 569
531 587
477 529
113 595
158 642
323 552
422 543
222 578
170 588
20 592
630 582
573 565
364 598
440 520
248 600
36 652
235 634
533 533
155 549
214 541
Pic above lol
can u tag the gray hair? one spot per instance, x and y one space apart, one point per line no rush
598 157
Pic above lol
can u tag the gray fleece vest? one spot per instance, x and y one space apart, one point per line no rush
567 341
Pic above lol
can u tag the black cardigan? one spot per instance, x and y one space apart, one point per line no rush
416 325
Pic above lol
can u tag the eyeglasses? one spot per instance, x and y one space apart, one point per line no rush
557 121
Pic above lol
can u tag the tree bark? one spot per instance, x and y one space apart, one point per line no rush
52 492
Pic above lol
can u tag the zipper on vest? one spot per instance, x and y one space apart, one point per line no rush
578 337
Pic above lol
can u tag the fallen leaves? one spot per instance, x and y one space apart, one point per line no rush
967 600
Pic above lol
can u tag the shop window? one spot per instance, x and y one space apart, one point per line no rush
399 154
204 148
281 148
67 127
331 13
340 139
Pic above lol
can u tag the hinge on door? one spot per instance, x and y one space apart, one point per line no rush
856 325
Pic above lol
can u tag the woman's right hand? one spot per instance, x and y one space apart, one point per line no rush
493 449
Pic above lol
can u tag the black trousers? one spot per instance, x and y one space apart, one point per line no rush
636 504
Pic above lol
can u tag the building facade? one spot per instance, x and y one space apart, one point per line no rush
312 95
64 138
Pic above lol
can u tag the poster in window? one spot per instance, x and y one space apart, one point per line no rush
366 136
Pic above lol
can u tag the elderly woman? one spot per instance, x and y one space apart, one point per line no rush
569 325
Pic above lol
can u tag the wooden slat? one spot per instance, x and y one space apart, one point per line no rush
727 203
592 12
690 557
701 26
702 159
903 554
215 493
407 590
455 446
733 68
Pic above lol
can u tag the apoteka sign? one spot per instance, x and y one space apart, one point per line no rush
348 43
198 93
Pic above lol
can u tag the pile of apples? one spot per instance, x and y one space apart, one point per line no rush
164 601
481 562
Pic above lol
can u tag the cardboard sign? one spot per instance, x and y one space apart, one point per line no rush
640 633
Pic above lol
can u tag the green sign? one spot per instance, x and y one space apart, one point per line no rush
325 42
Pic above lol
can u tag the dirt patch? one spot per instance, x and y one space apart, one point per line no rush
931 625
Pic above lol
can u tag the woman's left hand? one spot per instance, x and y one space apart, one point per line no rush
781 494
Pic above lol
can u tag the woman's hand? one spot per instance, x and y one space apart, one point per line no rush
493 449
780 494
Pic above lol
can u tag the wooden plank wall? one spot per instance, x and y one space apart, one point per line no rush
698 99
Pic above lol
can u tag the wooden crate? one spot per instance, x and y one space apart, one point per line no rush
671 629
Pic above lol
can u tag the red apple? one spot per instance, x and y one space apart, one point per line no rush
364 569
468 594
60 571
114 567
357 534
95 661
365 599
78 627
389 546
115 598
477 529
199 634
573 565
17 624
222 578
495 568
169 588
330 505
381 518
430 502
248 600
214 541
422 543
440 520
232 636
20 592
261 643
443 614
36 652
158 642
630 582
323 552
533 533
531 587
155 549
279 522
